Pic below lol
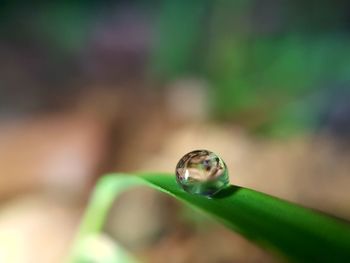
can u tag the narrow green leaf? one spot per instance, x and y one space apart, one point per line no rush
297 233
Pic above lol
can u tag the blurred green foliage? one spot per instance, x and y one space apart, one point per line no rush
267 75
272 66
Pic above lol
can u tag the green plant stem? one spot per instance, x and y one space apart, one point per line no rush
294 232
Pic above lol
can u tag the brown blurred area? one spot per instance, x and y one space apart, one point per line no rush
72 111
49 163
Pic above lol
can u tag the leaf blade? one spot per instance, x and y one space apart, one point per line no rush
295 232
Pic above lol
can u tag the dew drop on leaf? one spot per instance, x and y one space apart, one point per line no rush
202 172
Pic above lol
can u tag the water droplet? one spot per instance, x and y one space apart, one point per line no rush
202 172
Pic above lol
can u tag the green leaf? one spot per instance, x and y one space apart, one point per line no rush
297 233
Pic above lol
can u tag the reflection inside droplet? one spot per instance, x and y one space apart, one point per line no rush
202 172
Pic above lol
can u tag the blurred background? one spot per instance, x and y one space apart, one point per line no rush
89 87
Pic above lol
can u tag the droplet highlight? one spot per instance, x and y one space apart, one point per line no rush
202 172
